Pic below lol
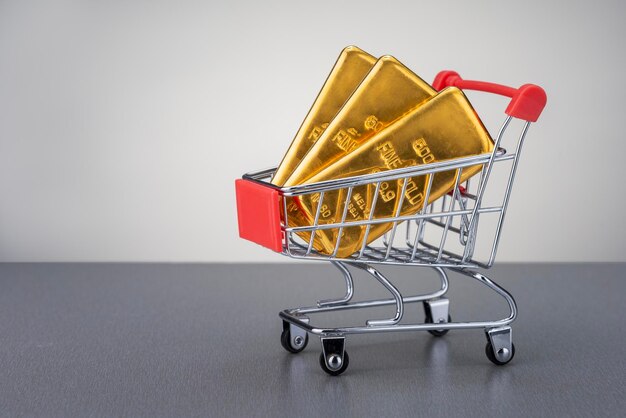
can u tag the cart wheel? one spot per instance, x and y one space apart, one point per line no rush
492 356
300 343
335 358
437 332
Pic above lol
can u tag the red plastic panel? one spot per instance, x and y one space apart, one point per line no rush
258 214
527 102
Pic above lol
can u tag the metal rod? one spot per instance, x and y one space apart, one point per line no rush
317 217
392 219
391 175
291 315
424 209
455 190
507 193
286 225
482 186
395 224
369 218
343 220
377 302
393 290
349 287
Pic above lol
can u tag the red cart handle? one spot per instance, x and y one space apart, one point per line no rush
527 102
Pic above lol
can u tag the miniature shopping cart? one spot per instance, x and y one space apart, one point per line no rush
443 235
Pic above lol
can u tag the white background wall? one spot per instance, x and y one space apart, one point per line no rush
124 124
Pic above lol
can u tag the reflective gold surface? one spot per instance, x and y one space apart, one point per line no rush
445 127
388 91
351 67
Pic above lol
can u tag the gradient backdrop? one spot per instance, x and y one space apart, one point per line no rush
124 124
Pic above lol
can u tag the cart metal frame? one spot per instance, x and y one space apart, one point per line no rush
455 219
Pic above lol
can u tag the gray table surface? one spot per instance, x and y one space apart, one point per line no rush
203 340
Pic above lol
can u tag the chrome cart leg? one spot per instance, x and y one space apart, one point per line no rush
437 312
334 358
500 349
393 290
349 287
340 305
499 290
293 338
444 281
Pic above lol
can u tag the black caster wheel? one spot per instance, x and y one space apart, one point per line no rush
285 341
335 358
437 332
492 356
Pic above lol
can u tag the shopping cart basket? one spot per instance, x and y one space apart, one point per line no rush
442 236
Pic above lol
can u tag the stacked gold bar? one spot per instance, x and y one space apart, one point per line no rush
374 116
351 67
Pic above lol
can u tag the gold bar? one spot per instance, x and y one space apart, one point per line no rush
443 128
388 91
351 67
